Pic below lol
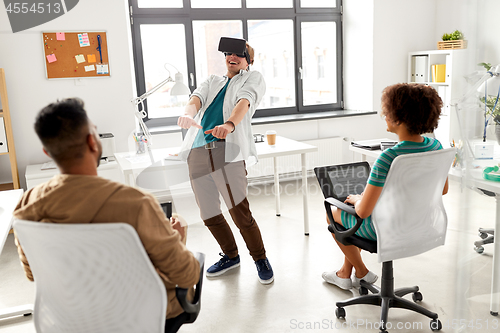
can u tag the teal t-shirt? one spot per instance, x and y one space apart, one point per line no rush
378 176
212 117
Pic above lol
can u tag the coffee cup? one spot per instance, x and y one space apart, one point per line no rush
271 138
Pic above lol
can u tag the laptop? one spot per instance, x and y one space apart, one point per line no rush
339 181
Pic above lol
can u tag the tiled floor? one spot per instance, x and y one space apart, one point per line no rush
454 279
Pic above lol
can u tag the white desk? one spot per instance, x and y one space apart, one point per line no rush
367 152
35 175
8 202
131 162
474 179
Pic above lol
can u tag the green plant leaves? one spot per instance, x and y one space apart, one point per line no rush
455 35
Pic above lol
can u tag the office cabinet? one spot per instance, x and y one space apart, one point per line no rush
6 135
37 174
420 67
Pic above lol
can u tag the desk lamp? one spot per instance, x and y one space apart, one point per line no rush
178 89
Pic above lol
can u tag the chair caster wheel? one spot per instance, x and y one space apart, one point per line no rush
483 235
417 297
479 249
363 291
493 313
340 313
436 325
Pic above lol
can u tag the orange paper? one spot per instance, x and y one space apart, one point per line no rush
91 58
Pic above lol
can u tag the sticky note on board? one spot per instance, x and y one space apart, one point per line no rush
89 68
60 36
102 69
83 39
51 58
91 57
79 58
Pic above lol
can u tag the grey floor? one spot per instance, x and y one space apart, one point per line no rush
454 279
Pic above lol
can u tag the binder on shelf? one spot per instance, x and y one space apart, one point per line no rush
440 72
421 72
433 72
412 78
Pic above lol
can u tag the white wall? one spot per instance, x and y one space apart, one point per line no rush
358 54
397 32
488 30
107 99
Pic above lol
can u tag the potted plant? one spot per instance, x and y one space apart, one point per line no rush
455 40
491 109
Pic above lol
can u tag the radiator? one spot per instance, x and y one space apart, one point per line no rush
289 167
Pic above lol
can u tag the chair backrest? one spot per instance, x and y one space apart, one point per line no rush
409 217
92 278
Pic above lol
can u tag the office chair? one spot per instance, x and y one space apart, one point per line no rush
409 219
97 277
487 235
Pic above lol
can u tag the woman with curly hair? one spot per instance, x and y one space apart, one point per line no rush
409 110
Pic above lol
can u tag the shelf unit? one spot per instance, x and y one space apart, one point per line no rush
7 147
449 90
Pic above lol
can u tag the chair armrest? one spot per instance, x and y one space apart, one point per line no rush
192 307
340 232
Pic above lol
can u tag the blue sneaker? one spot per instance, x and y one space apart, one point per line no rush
223 265
265 271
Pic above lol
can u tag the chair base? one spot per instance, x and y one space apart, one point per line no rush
22 310
488 237
386 297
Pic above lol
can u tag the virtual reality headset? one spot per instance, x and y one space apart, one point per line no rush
238 46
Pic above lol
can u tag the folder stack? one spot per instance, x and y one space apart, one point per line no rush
419 69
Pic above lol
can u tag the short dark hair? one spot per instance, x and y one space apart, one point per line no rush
416 105
63 128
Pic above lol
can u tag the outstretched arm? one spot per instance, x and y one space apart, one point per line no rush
192 108
236 117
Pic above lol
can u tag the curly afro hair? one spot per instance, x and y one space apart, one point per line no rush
417 106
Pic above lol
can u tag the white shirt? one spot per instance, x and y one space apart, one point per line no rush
240 144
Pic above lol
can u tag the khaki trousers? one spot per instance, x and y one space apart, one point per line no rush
211 175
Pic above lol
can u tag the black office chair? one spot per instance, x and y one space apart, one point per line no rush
409 219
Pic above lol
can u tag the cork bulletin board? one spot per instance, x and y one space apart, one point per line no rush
76 54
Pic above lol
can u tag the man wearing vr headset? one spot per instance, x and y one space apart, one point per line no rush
217 146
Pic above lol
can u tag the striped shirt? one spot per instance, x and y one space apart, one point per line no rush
384 161
378 176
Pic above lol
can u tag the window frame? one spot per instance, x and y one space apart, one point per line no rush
187 15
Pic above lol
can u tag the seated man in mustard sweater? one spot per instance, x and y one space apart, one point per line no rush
78 195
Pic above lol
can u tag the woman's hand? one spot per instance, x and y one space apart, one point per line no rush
353 198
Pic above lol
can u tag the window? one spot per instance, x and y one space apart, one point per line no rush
298 50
